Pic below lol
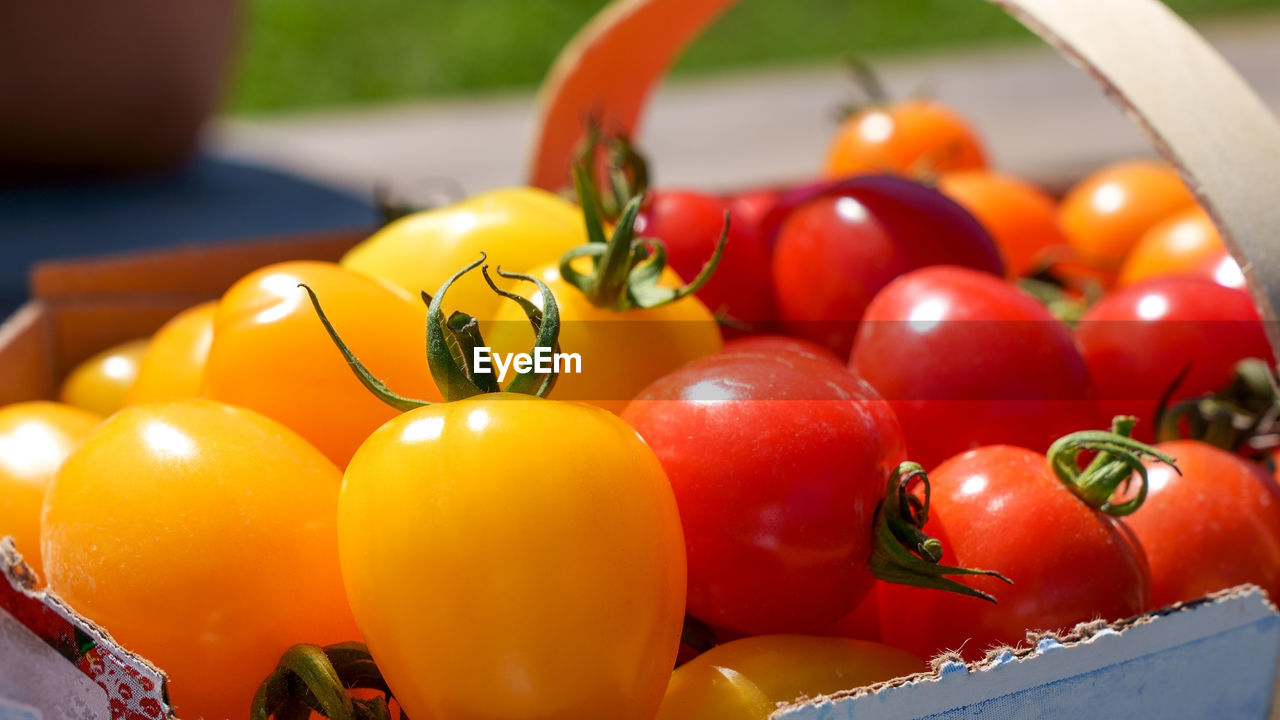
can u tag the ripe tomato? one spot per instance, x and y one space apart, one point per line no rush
966 359
557 596
203 535
780 343
838 245
1106 214
1002 507
753 206
689 224
1185 244
35 437
173 365
1021 218
519 228
862 622
747 679
1212 526
270 353
100 383
778 462
1136 341
907 137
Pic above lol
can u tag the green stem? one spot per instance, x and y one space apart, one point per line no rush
310 678
1119 458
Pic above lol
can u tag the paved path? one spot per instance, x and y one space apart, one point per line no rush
1040 116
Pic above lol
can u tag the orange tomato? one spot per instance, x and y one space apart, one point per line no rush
1106 214
906 137
100 383
271 354
35 437
204 536
1184 244
1021 218
173 364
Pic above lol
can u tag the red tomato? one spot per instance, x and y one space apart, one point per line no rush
1136 340
778 462
1215 525
862 622
754 205
780 343
967 359
689 224
844 242
908 136
1002 507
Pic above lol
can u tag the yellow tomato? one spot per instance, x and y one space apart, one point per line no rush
621 352
513 558
746 679
203 536
173 364
518 228
100 383
35 437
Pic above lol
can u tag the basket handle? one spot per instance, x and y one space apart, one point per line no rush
1193 107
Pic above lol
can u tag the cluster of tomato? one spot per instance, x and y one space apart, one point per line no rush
852 440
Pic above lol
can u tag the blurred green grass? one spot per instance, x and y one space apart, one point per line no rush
316 53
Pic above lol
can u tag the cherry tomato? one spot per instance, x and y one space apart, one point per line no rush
1214 526
518 227
1002 507
747 679
100 383
1136 341
754 205
35 437
173 365
862 622
1106 214
204 536
1021 218
780 343
966 359
689 224
836 250
907 137
778 461
1185 244
512 557
271 354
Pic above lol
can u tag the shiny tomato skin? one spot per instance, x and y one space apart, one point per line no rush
1001 508
1137 339
1022 218
1187 243
778 461
780 343
173 365
101 383
838 249
966 359
1214 526
909 136
689 223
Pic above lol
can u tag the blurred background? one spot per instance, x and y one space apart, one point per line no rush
313 102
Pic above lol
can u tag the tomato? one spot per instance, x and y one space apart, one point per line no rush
519 228
1214 526
907 137
173 365
100 383
780 343
747 679
688 223
754 205
862 622
1138 339
966 359
270 353
35 437
1021 218
203 535
778 462
1106 214
844 243
1002 507
1186 243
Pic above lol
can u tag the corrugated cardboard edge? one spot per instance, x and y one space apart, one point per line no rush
136 689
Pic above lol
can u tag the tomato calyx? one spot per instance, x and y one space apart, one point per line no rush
451 342
626 270
310 678
1243 416
1119 458
902 553
626 169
